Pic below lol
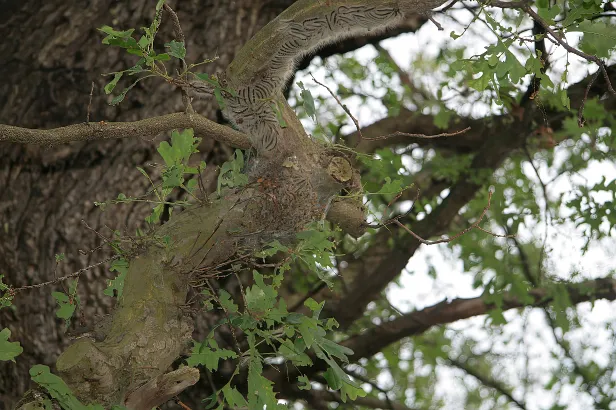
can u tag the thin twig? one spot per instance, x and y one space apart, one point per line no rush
581 120
422 136
370 382
404 76
106 240
447 7
436 23
462 232
90 104
231 328
344 107
548 214
63 278
179 37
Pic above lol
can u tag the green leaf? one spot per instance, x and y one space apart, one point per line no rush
176 49
260 297
161 57
564 99
548 13
6 296
116 37
303 383
206 77
334 380
233 397
314 306
226 302
143 43
260 390
127 43
119 98
308 101
442 118
57 388
335 350
172 177
66 304
480 83
231 172
272 249
295 353
308 329
115 287
154 217
168 153
111 85
219 99
185 144
391 187
8 350
208 354
115 33
191 185
599 37
497 318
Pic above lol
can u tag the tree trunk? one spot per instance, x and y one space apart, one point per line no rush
52 54
47 204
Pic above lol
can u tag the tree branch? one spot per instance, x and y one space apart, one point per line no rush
486 381
374 340
411 123
370 402
146 128
163 388
411 324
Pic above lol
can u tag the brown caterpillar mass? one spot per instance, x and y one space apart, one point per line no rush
258 81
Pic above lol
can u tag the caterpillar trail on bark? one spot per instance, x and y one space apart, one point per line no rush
265 63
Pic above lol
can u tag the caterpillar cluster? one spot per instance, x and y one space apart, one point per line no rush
304 27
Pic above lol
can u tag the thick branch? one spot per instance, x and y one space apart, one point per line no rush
410 123
415 323
409 25
374 340
146 128
162 389
370 402
481 130
318 399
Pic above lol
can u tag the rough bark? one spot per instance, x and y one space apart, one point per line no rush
54 54
51 54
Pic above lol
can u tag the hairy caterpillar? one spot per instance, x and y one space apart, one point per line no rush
262 67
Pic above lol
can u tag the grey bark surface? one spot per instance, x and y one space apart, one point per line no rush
52 53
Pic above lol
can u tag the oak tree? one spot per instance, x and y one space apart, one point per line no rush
206 231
